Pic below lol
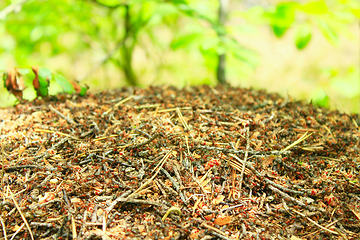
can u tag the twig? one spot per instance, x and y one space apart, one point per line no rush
177 174
187 145
249 165
147 106
10 169
328 225
172 109
220 236
298 202
14 7
46 153
175 184
105 137
144 142
3 226
138 201
229 150
142 132
199 184
104 223
160 165
63 224
41 224
45 203
58 133
214 230
302 138
87 133
315 223
232 207
245 158
17 231
62 115
182 119
81 232
22 215
113 204
160 186
2 165
163 185
243 232
118 104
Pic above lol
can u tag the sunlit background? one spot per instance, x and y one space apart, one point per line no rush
177 43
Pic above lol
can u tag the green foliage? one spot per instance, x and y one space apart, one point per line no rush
23 80
35 31
331 18
303 36
44 76
282 17
64 83
321 98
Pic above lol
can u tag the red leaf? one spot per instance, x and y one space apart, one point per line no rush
222 220
76 86
14 83
36 82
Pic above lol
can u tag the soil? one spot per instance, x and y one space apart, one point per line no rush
163 163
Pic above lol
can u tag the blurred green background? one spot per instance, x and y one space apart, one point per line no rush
309 50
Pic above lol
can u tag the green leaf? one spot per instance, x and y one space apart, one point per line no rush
163 13
240 52
279 31
328 32
316 7
184 7
303 36
210 57
286 10
64 83
43 90
321 98
210 43
185 41
323 102
83 91
282 18
44 76
23 71
246 56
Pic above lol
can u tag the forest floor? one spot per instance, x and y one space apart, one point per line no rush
163 163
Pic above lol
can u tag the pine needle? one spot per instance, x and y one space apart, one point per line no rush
22 215
159 166
302 138
4 229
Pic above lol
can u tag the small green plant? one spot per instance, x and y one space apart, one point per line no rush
38 79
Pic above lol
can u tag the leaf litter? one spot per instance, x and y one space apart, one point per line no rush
163 163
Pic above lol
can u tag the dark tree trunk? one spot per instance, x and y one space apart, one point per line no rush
220 72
